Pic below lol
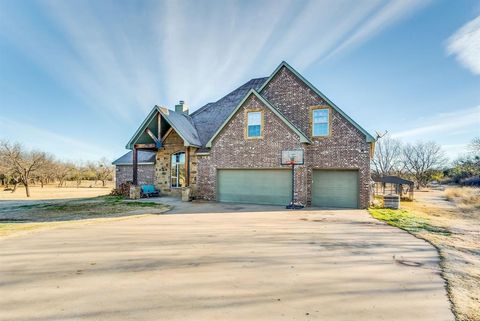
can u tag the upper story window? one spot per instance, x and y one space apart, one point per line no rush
177 170
254 124
320 122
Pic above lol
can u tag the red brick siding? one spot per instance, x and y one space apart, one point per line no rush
346 148
231 150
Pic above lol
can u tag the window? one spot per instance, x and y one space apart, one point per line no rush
254 127
320 122
178 170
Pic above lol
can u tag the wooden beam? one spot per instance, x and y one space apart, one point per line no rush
159 126
135 166
145 146
158 143
166 134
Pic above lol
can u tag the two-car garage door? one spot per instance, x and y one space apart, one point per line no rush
255 186
330 188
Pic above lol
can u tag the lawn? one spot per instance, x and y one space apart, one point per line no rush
450 221
21 216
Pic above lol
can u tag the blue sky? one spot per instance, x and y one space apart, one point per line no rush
78 77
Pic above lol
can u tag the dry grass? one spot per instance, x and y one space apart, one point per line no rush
52 192
459 249
465 198
25 216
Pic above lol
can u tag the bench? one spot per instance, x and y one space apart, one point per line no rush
149 191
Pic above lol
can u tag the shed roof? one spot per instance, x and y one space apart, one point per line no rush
393 180
144 158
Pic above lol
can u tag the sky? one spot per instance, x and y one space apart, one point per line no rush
78 77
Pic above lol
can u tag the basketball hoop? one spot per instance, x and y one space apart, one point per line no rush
292 158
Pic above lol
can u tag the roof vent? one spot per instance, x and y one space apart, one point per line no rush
181 107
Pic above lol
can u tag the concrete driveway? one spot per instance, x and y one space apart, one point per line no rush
246 264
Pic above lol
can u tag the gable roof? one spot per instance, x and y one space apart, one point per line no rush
210 117
303 138
202 126
368 136
144 158
181 123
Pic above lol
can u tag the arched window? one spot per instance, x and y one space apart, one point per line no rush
177 170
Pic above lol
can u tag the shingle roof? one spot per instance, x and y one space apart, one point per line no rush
393 180
144 157
210 117
183 125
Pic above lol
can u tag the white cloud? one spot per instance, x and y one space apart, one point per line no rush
465 45
444 124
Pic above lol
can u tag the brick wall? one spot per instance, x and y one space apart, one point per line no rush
346 148
232 150
124 173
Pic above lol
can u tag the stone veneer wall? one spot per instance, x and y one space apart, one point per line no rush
124 173
172 144
345 148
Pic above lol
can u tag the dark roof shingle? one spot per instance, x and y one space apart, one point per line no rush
144 157
210 117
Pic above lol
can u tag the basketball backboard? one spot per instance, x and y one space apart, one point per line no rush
292 157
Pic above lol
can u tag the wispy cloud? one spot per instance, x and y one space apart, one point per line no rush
60 145
121 57
465 45
444 124
391 13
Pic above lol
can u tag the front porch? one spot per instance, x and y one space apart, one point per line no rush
173 138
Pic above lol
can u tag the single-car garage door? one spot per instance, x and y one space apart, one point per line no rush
255 186
335 188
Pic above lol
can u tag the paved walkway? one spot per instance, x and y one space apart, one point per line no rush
254 265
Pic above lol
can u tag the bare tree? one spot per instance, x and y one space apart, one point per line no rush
62 172
474 146
422 159
104 171
387 158
21 162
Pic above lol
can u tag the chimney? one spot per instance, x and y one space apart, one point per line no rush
181 107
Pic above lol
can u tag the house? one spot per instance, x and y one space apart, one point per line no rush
229 150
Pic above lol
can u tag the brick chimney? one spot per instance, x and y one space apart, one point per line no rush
181 107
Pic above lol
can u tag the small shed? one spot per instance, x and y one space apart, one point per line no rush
393 185
145 168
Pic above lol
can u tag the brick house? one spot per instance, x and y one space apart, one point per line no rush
229 150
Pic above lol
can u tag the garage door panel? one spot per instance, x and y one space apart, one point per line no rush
259 186
335 188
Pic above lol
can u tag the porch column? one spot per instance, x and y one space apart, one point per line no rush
135 165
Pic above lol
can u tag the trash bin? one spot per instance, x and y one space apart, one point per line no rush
391 201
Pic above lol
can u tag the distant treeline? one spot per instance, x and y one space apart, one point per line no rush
21 166
425 162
